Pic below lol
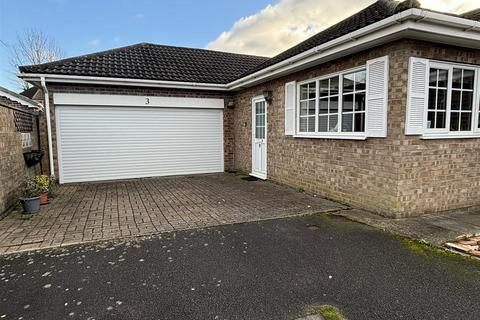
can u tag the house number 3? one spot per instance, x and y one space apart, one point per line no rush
147 100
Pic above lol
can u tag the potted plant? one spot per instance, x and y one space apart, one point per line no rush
43 183
31 197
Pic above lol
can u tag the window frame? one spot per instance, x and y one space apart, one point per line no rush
299 100
329 135
446 133
476 103
328 115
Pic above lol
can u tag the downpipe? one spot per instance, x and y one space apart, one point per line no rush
49 125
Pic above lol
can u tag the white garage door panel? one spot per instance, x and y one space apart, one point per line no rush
107 143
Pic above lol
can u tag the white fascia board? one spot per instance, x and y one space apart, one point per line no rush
66 99
123 82
445 19
25 102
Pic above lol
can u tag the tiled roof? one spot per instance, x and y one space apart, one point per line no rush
30 92
154 62
157 62
472 15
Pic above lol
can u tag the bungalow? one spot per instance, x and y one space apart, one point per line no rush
380 111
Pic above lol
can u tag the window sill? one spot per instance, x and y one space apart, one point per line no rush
332 136
432 136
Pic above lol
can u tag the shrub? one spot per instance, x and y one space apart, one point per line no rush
32 189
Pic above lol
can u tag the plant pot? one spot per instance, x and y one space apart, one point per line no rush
30 205
44 198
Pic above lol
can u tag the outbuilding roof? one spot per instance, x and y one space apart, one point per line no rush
23 101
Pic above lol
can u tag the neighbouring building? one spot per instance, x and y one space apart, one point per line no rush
19 134
379 111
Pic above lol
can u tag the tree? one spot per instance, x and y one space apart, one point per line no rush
33 47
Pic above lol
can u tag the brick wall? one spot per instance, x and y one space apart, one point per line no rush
394 176
102 89
13 171
435 175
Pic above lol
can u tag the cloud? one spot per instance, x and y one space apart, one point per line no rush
453 6
94 42
282 25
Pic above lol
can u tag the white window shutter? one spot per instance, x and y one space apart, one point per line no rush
417 96
290 101
377 97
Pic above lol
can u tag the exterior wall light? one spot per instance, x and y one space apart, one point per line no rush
268 96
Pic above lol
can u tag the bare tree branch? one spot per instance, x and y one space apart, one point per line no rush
33 47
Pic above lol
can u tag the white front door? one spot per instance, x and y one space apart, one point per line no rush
259 138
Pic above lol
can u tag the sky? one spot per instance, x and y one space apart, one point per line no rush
260 27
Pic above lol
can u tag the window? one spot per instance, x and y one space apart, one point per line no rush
451 97
308 95
462 100
328 105
437 99
260 120
333 105
459 97
26 140
353 111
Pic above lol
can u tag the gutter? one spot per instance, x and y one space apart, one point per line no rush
122 81
49 125
413 20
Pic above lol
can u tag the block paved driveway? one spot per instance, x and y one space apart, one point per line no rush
100 211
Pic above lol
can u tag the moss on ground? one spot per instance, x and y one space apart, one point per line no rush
24 216
428 251
328 312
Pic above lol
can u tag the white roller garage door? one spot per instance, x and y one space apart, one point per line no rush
115 142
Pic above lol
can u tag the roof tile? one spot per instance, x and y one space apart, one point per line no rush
154 62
